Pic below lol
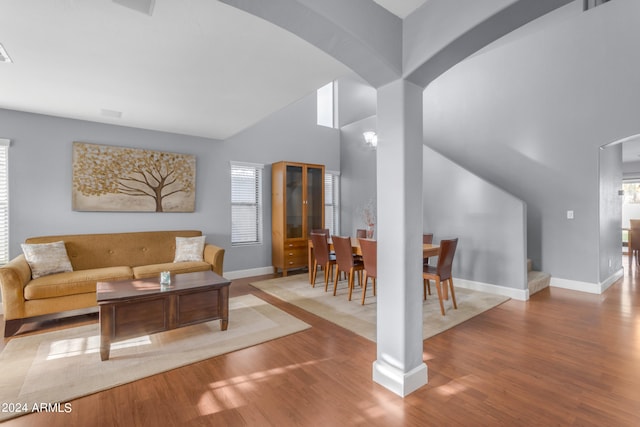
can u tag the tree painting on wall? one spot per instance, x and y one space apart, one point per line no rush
118 179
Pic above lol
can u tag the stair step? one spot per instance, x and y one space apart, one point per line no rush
537 281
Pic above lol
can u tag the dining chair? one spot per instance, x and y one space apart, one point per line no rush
369 248
427 238
346 262
327 233
361 233
634 240
322 258
441 272
324 231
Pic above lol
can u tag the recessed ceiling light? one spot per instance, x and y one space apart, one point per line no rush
4 56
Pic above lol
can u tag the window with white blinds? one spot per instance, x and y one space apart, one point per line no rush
246 203
4 201
332 202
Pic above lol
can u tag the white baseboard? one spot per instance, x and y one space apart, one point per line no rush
239 274
592 288
517 294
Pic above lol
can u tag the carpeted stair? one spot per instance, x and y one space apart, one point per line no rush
537 280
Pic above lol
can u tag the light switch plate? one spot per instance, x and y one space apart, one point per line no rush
569 214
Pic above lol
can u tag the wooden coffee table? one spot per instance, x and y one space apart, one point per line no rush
131 308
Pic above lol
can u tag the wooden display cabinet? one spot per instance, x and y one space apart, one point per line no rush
297 203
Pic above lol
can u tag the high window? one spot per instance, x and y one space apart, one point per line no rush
332 202
325 105
4 201
246 203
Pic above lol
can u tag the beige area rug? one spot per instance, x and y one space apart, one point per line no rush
62 365
361 319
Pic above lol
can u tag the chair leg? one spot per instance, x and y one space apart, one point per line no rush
453 293
364 287
335 281
374 286
351 283
314 273
327 272
438 288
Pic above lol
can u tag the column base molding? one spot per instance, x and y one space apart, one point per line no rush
399 382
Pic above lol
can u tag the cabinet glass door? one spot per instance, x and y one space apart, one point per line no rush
294 194
315 202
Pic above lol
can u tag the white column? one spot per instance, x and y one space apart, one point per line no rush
399 365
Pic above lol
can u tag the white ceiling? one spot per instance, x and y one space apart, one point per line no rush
401 8
195 67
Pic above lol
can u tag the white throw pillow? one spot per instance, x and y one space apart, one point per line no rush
46 258
189 249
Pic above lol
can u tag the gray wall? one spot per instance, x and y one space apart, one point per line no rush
356 100
530 117
358 175
290 134
40 178
489 223
40 174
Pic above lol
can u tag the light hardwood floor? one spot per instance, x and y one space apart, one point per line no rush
563 358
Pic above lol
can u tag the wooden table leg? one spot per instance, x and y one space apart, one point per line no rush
106 329
224 309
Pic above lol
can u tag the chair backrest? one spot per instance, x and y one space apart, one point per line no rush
634 234
320 248
445 258
344 253
369 248
427 238
361 233
324 231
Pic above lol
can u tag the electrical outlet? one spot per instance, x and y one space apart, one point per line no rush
569 214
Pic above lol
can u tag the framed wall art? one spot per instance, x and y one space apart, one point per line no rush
119 179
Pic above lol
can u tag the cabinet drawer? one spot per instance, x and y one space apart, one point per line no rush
293 262
296 244
290 253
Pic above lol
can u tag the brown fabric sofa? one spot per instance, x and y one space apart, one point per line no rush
94 258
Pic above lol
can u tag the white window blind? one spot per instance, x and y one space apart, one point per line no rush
332 202
246 203
4 201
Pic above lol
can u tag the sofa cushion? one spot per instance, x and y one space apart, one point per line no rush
146 271
74 282
46 258
189 249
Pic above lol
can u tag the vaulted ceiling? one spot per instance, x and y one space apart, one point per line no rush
195 67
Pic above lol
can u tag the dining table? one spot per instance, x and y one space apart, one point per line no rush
428 251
